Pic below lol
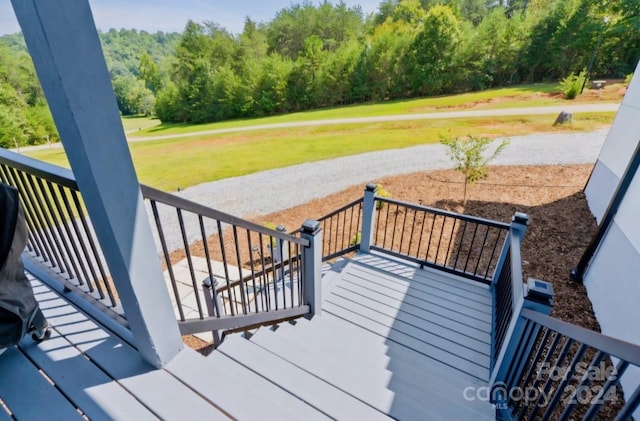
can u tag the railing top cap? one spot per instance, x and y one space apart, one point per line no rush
310 226
521 218
371 187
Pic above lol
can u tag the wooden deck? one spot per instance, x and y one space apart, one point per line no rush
394 342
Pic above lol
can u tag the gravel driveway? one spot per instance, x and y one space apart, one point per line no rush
274 190
270 191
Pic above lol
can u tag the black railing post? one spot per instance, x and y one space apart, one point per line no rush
368 216
312 265
210 289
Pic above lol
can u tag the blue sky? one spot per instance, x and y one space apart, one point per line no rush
172 15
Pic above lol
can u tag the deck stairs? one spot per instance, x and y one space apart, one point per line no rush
393 341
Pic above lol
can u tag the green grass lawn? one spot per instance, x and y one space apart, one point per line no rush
135 123
169 164
518 96
532 95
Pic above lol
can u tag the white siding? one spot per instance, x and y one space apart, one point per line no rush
613 285
613 277
621 141
599 190
628 218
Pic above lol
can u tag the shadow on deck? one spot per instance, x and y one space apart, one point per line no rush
393 341
431 312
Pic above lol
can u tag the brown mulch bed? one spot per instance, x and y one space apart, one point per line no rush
560 228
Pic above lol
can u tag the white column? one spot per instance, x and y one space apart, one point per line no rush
63 42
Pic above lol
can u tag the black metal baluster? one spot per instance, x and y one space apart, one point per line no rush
96 252
167 260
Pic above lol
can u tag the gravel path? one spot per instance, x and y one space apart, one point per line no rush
273 190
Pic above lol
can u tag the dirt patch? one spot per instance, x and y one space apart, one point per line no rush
614 91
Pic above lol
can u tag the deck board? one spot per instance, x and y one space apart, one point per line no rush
86 386
433 284
397 319
320 394
114 359
442 355
418 314
84 383
237 391
414 271
442 300
99 373
397 380
394 341
445 320
453 283
27 394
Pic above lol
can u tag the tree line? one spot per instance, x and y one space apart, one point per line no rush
318 55
24 114
311 56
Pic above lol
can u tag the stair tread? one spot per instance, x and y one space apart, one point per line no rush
313 390
232 386
407 383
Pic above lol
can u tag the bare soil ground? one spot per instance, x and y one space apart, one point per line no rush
560 229
613 91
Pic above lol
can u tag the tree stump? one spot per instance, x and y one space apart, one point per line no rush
563 118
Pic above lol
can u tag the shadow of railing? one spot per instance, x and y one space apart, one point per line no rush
460 244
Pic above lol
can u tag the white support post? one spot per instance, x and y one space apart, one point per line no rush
63 42
368 217
312 265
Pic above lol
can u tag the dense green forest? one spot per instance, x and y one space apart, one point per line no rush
311 56
24 115
316 55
